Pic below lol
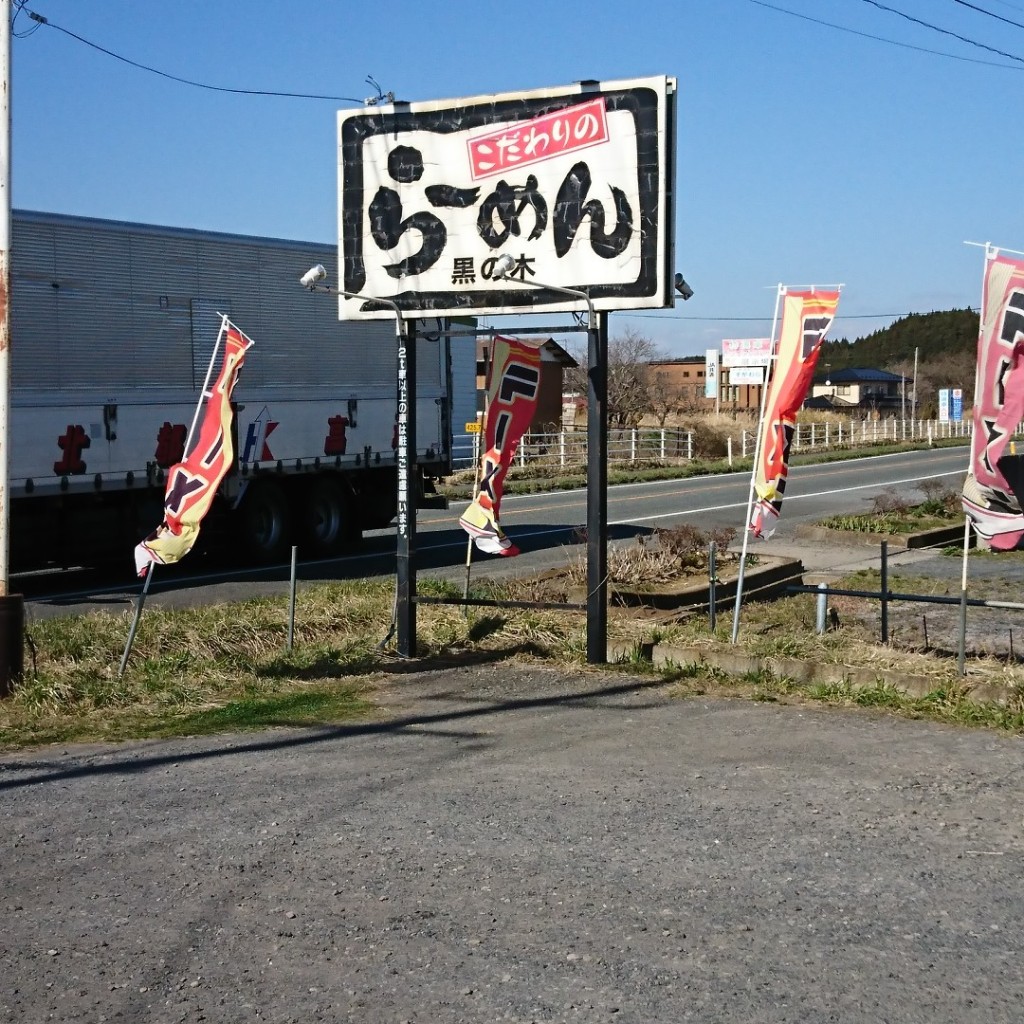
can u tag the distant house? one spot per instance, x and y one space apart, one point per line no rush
861 390
681 382
553 362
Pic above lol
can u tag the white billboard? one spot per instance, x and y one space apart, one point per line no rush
575 184
746 351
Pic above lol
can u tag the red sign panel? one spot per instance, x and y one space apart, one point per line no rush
541 138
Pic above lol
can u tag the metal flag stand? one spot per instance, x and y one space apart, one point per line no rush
204 396
783 290
769 373
477 458
991 252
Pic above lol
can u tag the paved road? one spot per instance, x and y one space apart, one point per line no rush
543 525
508 845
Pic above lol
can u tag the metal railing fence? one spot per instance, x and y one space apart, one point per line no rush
671 446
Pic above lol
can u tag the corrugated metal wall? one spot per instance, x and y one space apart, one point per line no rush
103 305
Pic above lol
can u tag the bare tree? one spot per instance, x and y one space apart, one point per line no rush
630 377
665 396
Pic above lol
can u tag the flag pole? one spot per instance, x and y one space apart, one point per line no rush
976 436
769 372
477 458
141 600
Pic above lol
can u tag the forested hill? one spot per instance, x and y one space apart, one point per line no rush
936 336
947 351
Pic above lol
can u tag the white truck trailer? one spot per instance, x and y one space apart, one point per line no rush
112 329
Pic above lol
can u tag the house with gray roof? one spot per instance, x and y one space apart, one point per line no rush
860 390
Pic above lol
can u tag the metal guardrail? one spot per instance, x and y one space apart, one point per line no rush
670 446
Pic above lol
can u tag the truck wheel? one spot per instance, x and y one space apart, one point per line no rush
326 517
266 526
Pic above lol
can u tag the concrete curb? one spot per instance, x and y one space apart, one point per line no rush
809 673
940 535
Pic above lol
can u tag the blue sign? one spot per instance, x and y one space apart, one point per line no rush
957 411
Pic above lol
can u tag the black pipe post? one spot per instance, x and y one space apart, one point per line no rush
405 568
597 490
712 581
885 591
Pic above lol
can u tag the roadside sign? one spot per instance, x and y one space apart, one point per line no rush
746 351
746 375
711 373
473 427
574 184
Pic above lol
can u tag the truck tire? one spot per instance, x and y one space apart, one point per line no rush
326 519
266 522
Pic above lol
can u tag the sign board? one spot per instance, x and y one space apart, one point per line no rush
575 184
473 427
746 351
956 405
711 373
746 375
944 405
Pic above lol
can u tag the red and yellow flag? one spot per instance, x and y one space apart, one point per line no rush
995 481
512 390
806 319
192 484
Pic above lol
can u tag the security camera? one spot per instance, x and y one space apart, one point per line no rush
683 288
312 276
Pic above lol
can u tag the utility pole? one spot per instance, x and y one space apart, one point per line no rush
913 394
12 615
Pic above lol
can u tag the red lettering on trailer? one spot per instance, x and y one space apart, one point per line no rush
336 440
72 442
170 444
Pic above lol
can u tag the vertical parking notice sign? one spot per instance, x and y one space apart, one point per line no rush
575 184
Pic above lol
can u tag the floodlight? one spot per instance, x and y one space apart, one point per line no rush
502 265
312 276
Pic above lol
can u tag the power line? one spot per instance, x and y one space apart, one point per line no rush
40 21
981 10
943 31
882 39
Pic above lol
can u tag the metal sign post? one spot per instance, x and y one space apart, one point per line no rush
597 490
405 579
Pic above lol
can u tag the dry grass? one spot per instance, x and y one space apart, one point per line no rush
226 667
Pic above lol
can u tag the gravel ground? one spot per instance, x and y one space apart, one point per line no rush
507 844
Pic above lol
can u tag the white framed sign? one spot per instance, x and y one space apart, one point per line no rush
711 373
746 375
576 184
746 351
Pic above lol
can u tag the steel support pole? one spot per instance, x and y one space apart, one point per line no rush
12 611
405 557
597 490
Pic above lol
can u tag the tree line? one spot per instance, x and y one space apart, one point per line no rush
945 343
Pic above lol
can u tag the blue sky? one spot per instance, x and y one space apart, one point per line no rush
806 154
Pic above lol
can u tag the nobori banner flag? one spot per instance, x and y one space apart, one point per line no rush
573 183
192 484
994 488
806 319
511 402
